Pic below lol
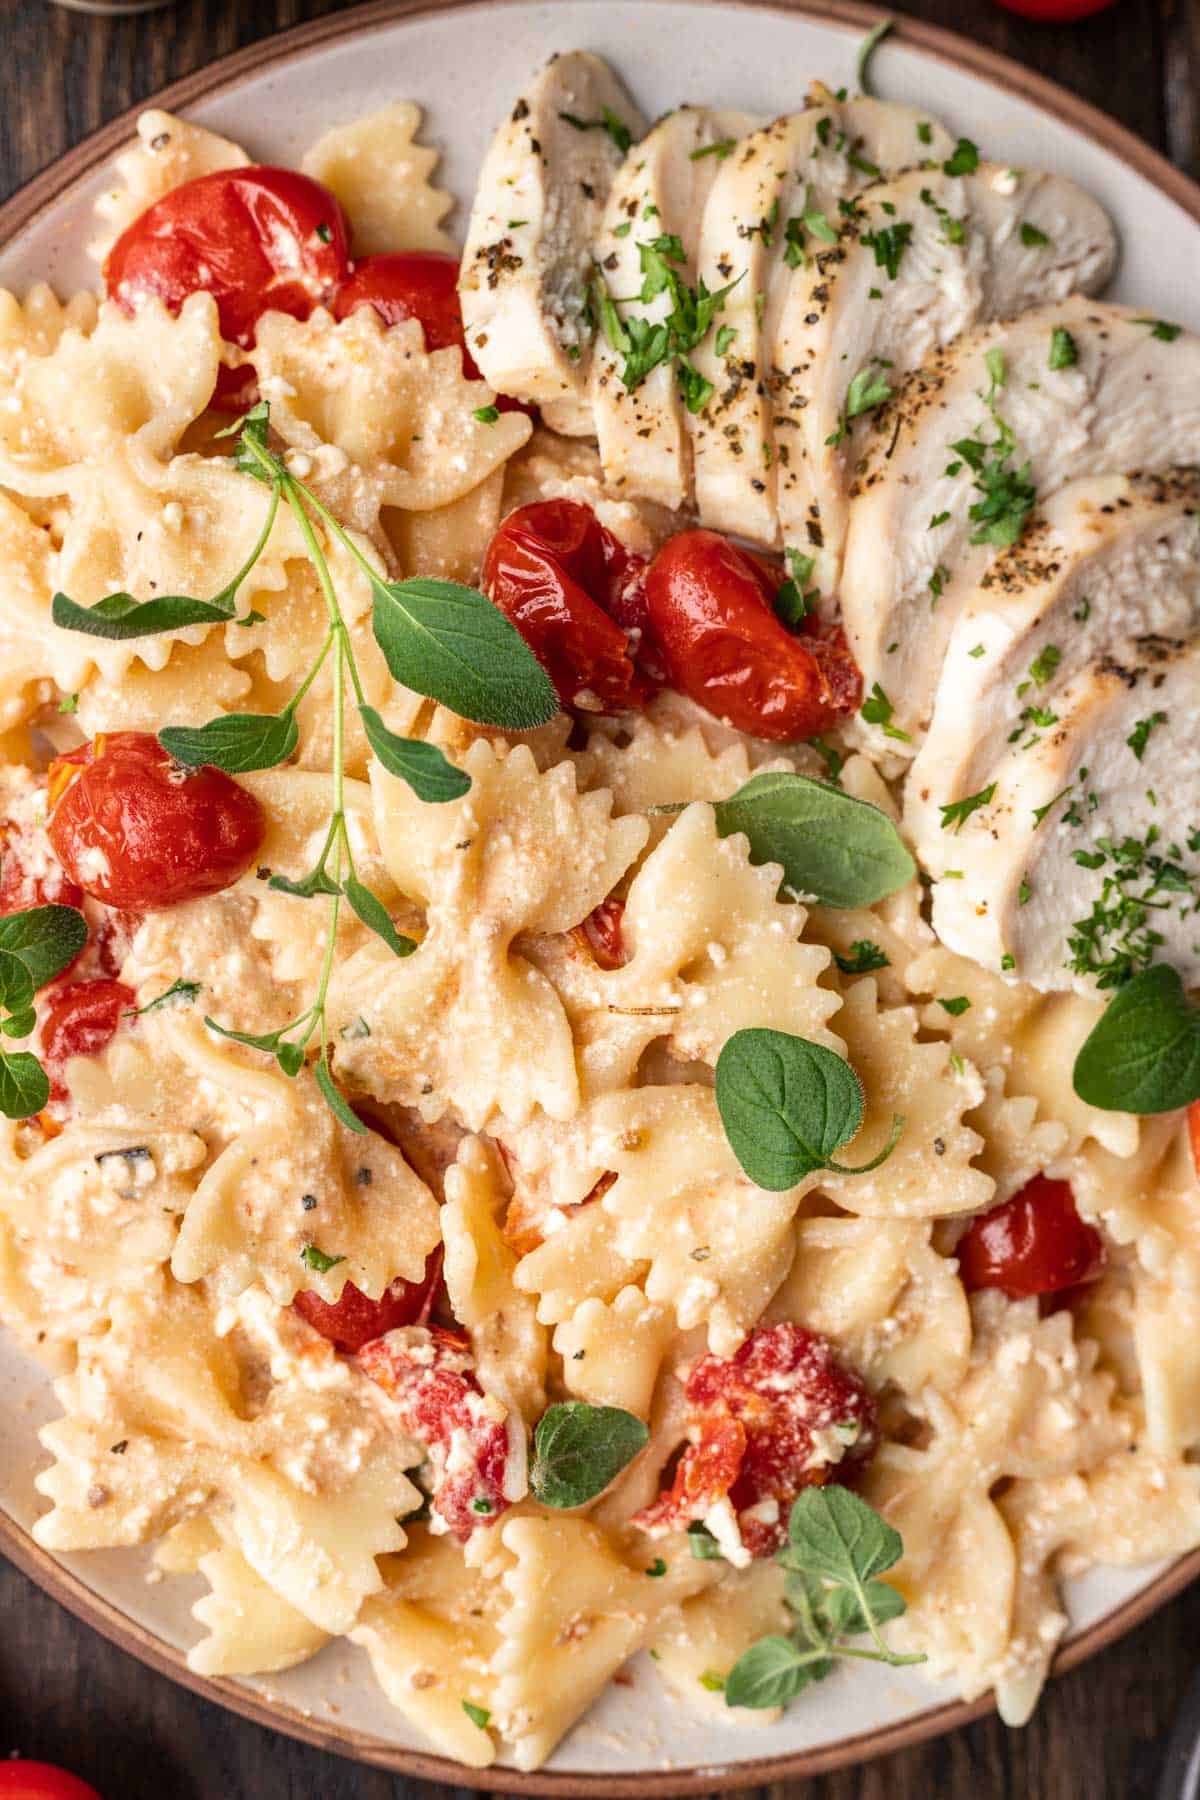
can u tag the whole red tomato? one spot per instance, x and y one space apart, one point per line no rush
135 829
712 615
258 240
574 593
1056 12
1035 1243
20 1780
353 1320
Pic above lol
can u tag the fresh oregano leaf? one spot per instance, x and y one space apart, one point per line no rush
316 1260
1143 1055
428 773
375 916
120 616
24 1085
334 1100
180 993
45 938
266 1040
16 983
773 1671
290 1058
235 742
19 1024
317 881
837 1536
840 851
580 1449
449 642
787 1105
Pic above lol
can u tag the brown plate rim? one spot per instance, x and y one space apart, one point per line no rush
62 1583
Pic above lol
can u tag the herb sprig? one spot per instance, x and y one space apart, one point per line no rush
645 343
35 946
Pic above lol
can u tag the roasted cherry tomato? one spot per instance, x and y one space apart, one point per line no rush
21 1780
574 593
1055 12
436 1397
135 829
81 1019
353 1320
24 885
1036 1243
258 240
712 615
1193 1119
601 932
780 1415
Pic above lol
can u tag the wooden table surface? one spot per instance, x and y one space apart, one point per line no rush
69 1697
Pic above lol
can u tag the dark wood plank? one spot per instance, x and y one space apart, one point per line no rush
68 1696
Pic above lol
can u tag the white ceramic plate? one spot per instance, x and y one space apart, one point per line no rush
464 64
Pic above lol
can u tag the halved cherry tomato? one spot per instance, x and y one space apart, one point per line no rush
135 829
258 240
23 885
755 1421
601 932
574 593
436 1396
353 1320
1036 1243
82 1019
20 1780
711 612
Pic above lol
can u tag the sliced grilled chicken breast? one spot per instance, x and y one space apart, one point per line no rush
770 202
659 191
1084 824
919 261
1079 388
528 258
1104 563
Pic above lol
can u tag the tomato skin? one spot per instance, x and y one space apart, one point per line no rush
134 829
752 1424
573 591
20 1780
21 888
82 1018
259 239
353 1320
601 932
1056 12
1035 1243
1193 1121
711 611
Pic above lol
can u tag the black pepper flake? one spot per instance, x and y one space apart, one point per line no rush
121 1448
363 1177
136 1153
939 1146
520 111
308 1202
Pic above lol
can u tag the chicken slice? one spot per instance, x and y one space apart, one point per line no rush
918 261
778 190
1079 387
660 191
1082 849
1103 563
528 258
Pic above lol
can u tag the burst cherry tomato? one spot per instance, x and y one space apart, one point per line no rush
574 593
755 1421
1036 1243
1193 1119
601 932
711 611
133 828
23 885
258 240
82 1019
21 1780
353 1320
437 1399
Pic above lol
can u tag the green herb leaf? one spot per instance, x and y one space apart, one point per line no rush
486 415
45 939
119 616
773 1671
723 148
787 1105
842 851
608 121
1143 1056
180 993
837 1536
315 1259
956 1006
24 1084
866 51
877 709
889 244
236 742
1031 237
863 958
427 771
375 916
579 1450
478 1715
333 1099
866 391
449 642
16 984
1161 329
1139 737
964 160
957 812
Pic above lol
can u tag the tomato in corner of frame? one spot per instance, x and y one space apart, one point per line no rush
21 1780
136 830
1055 12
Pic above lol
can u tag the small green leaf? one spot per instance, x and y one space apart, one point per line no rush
427 771
335 1101
867 391
449 642
1031 237
375 916
16 983
266 1040
317 1261
119 617
839 1537
787 1105
45 938
772 1672
964 160
290 1058
317 881
840 851
1143 1055
24 1085
579 1450
19 1024
236 742
180 993
478 1715
843 1613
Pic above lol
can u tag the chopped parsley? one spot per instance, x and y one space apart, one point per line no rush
1024 892
1139 737
863 958
1031 237
957 812
645 343
831 757
867 391
1117 938
1064 352
1162 329
69 703
478 1715
925 132
877 709
487 415
956 1006
888 244
608 121
725 337
964 159
794 598
315 1259
657 1567
1043 667
1007 494
723 148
